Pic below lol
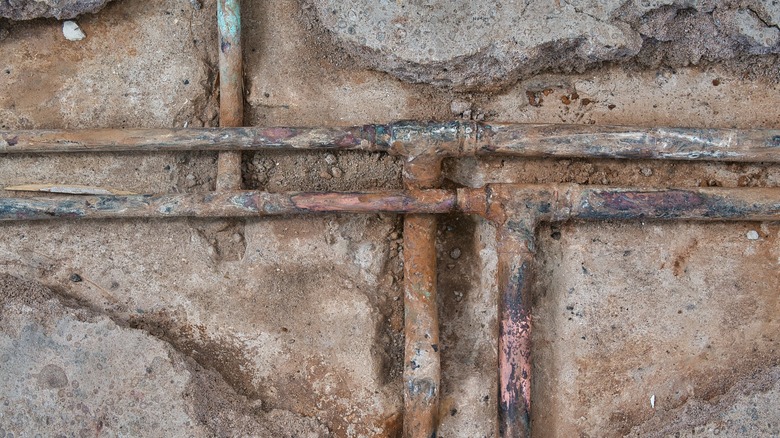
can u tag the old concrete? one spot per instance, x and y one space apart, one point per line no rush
300 319
66 371
469 44
59 9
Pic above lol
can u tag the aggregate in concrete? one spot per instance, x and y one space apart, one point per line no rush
469 44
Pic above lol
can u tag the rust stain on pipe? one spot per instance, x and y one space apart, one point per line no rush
422 364
224 204
448 139
231 88
422 360
515 256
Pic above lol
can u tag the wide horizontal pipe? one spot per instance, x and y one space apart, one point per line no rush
554 202
224 204
445 139
591 141
749 204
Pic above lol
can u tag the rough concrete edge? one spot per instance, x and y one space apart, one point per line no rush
208 387
698 412
534 62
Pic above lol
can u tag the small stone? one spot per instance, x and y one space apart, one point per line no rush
646 171
393 236
330 159
336 172
455 253
76 278
459 107
72 31
196 4
458 296
752 235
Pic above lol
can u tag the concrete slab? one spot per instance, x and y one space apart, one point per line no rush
468 44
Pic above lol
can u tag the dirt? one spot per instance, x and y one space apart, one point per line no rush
293 326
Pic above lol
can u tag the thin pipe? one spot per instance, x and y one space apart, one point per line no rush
422 363
515 257
224 204
231 88
422 357
450 139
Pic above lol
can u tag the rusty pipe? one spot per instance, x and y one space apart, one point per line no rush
422 360
224 204
449 139
515 256
231 88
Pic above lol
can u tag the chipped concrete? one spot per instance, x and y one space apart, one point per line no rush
489 44
300 320
59 9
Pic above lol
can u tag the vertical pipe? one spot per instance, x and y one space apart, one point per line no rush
422 363
515 255
231 88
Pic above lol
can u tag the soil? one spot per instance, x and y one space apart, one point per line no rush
293 326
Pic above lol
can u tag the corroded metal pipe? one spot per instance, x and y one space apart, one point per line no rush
517 209
449 139
515 256
224 204
231 88
422 360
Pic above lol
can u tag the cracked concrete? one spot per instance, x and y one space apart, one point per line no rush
59 9
490 44
299 320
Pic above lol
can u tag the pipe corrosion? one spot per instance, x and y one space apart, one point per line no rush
231 88
422 360
451 139
515 256
224 204
422 363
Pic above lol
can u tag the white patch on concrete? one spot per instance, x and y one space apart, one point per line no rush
752 235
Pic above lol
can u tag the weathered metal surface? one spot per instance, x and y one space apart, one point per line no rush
69 189
748 204
190 139
224 204
422 360
450 139
422 363
515 257
231 88
591 141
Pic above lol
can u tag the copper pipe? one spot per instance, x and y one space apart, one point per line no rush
231 88
224 204
422 360
515 256
450 139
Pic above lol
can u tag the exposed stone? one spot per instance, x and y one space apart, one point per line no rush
469 44
59 9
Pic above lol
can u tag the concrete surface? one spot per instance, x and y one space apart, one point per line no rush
487 44
299 321
59 9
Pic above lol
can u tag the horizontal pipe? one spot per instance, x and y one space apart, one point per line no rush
554 202
592 141
744 204
224 204
452 139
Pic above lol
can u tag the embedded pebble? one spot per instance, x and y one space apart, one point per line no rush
455 253
752 235
646 171
330 159
336 172
72 31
